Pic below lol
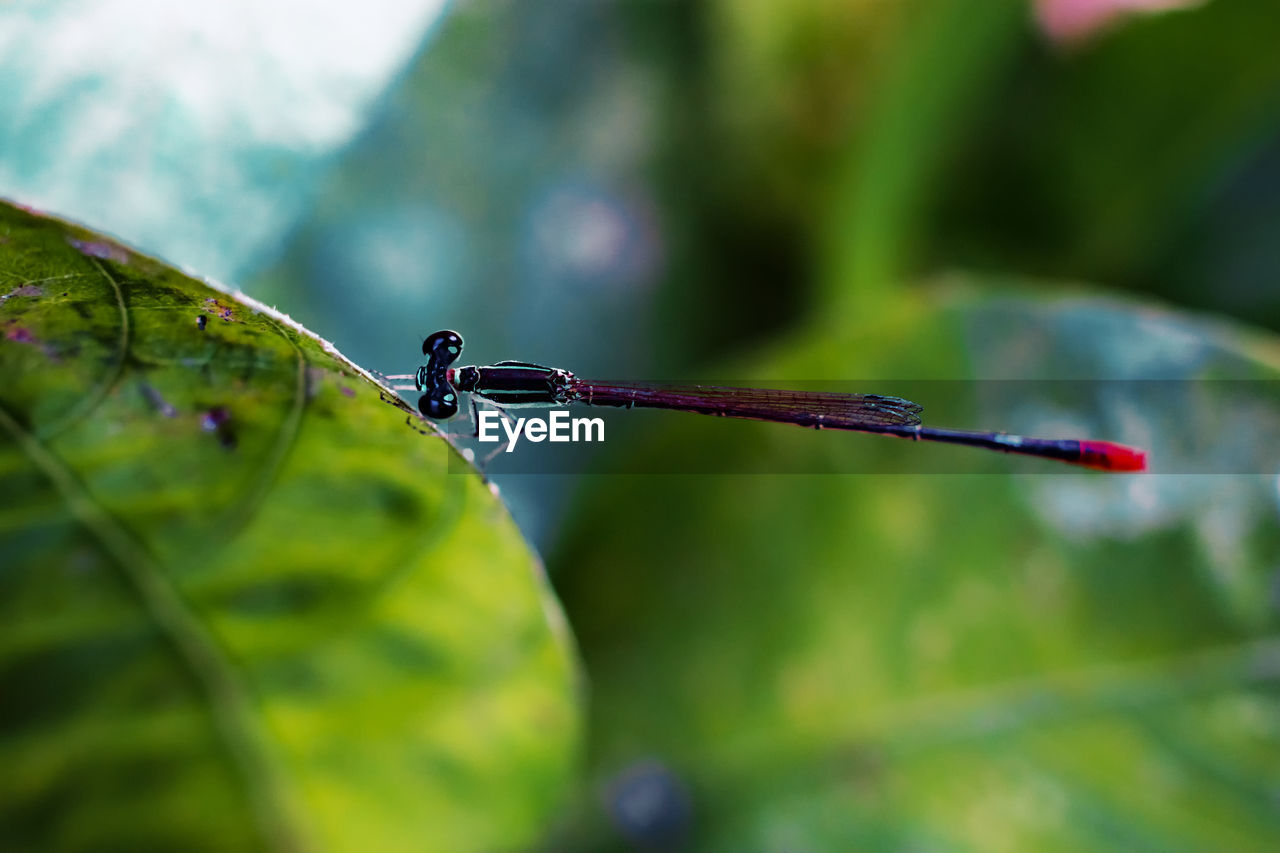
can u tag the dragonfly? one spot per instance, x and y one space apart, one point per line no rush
520 383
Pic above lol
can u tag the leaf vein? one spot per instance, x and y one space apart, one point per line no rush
230 702
98 393
243 510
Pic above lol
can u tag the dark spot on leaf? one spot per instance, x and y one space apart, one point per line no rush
215 418
82 310
222 310
19 334
347 392
218 421
31 290
101 249
157 401
200 322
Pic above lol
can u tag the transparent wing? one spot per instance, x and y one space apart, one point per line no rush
807 408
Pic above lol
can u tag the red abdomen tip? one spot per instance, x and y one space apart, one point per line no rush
1109 456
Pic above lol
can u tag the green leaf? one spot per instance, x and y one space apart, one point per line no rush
923 102
247 599
1008 656
1141 160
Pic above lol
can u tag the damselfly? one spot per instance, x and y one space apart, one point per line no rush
519 383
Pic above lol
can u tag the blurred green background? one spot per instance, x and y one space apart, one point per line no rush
1001 658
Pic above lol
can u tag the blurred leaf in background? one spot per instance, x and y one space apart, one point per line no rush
1148 160
1049 662
244 603
197 131
1000 657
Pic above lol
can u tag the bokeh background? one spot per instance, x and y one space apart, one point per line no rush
998 657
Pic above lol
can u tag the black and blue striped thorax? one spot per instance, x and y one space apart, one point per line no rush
514 383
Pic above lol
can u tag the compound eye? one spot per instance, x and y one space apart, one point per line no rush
439 405
444 346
